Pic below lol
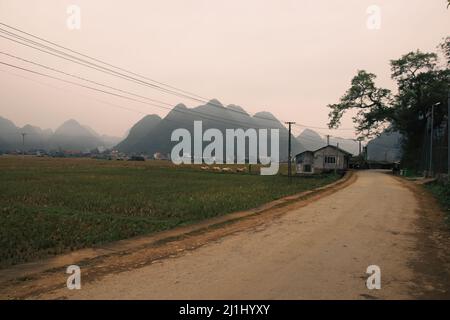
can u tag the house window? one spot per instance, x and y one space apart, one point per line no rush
330 159
307 168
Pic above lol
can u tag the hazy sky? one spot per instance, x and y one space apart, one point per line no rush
289 57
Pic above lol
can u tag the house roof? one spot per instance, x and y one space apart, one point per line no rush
334 147
328 146
306 151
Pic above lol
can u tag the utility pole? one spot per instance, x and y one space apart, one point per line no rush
337 158
289 150
431 137
23 143
359 141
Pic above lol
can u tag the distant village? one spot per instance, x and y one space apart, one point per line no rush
97 153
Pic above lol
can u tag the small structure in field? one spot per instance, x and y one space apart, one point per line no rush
325 159
160 156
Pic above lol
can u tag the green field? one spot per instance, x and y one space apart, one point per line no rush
49 206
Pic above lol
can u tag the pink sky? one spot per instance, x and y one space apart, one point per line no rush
288 57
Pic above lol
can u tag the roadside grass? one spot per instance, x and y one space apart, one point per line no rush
50 206
441 190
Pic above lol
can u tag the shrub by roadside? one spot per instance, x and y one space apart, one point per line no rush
441 190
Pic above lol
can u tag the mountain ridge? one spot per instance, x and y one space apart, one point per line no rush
213 114
70 135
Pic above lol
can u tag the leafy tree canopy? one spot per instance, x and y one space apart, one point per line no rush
370 102
421 82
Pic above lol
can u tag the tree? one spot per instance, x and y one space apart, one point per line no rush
371 105
445 49
412 63
421 83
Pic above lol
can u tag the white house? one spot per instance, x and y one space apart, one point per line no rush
325 159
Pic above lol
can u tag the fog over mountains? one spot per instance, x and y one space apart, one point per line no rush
386 147
152 133
313 141
71 135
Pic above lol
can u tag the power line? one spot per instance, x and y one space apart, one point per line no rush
183 94
64 89
106 70
98 60
84 62
114 73
190 112
322 128
88 97
82 78
90 65
110 73
59 56
97 83
102 101
110 87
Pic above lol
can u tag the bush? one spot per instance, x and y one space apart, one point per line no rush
441 190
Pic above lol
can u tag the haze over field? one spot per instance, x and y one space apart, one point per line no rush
290 58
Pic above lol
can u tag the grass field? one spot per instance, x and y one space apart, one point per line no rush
49 206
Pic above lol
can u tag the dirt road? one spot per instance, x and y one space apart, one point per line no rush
319 251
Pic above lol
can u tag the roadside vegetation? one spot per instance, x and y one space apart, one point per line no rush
441 190
423 81
50 206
